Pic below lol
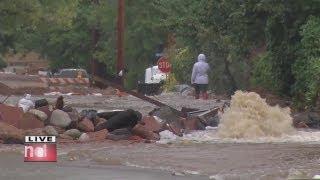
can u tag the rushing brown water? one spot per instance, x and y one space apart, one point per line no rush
249 116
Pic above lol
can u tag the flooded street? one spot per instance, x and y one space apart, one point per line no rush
198 155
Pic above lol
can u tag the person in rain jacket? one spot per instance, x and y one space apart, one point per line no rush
199 77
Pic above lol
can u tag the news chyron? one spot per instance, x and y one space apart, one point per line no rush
40 149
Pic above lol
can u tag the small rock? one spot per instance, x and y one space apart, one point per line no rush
99 121
84 137
74 133
60 130
60 118
86 125
136 138
108 115
51 131
39 114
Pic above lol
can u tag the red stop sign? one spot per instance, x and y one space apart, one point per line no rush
164 65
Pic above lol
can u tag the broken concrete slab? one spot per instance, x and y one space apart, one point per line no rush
193 123
165 113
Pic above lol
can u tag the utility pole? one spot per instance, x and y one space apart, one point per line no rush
120 37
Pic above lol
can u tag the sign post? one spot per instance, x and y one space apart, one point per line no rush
164 65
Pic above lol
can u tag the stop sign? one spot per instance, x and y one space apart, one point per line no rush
164 65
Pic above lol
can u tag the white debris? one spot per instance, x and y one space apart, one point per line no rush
26 103
166 137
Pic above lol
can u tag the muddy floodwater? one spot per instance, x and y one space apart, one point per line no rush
198 155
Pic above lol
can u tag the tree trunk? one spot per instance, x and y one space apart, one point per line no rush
233 85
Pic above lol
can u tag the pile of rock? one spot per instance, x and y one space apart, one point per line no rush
68 125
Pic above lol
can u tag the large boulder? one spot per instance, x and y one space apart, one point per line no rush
10 134
51 131
86 125
108 114
74 133
39 114
60 118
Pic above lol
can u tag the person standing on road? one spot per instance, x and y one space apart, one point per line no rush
199 77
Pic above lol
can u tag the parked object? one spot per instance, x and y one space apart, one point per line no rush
153 81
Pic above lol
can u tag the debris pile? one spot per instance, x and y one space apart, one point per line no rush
69 125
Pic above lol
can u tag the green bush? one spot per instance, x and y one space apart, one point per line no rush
182 64
3 64
263 73
307 67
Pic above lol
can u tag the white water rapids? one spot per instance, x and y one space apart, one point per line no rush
249 120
